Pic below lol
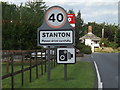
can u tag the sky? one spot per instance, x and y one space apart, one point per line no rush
91 11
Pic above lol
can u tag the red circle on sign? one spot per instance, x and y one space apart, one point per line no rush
64 16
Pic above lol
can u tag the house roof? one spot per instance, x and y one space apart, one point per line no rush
90 36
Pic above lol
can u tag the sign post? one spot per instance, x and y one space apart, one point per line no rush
49 69
66 56
65 72
57 31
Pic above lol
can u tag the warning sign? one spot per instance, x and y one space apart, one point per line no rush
71 19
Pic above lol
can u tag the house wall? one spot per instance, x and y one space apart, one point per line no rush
92 44
88 42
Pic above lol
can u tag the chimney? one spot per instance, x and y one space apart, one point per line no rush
89 29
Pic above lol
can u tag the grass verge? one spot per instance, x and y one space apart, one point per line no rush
80 75
107 50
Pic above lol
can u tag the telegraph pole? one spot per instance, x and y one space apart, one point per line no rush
103 33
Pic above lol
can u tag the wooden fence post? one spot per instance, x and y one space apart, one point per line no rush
36 52
7 65
22 77
12 71
54 61
45 61
30 68
41 61
45 65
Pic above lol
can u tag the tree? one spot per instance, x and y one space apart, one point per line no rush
118 37
110 32
20 24
9 24
78 28
71 11
31 18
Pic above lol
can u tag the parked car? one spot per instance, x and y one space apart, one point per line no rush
27 57
77 51
39 55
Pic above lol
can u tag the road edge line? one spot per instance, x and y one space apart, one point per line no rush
100 84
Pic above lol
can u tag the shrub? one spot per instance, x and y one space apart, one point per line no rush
107 43
118 48
84 49
113 44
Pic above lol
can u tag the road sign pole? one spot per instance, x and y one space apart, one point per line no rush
48 63
65 72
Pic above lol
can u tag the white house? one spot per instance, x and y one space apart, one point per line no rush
90 39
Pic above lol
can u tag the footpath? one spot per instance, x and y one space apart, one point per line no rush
86 58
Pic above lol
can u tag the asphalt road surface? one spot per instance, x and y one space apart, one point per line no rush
108 68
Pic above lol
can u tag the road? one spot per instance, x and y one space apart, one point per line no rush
108 68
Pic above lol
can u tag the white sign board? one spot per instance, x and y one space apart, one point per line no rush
66 56
56 37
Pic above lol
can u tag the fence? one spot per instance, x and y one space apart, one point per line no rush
34 58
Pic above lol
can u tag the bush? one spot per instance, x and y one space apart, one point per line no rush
107 43
83 48
113 44
118 48
86 50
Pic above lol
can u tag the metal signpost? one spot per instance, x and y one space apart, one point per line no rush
66 56
57 31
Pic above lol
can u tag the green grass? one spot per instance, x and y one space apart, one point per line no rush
6 83
16 65
80 75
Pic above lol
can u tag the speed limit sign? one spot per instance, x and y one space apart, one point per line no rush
55 17
55 30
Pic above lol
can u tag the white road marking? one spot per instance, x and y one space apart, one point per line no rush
100 83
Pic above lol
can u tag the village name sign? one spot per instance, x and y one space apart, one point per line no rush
57 31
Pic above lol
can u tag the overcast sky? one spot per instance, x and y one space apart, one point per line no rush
93 10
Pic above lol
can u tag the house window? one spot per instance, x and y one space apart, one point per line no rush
96 42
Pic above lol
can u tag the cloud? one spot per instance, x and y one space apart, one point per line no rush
101 13
14 1
76 2
17 2
91 10
110 17
98 11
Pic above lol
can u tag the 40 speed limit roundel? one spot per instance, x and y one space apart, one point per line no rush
56 17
